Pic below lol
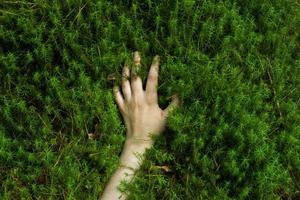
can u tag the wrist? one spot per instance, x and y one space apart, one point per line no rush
139 138
133 152
138 141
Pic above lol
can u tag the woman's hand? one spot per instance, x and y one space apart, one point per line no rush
142 116
139 108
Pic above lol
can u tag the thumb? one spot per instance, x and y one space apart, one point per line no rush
174 104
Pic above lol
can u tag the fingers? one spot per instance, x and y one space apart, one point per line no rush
174 103
152 81
119 98
125 83
136 81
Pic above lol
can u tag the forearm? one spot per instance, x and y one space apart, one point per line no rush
143 118
130 160
111 190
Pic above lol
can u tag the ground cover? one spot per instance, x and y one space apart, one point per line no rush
234 64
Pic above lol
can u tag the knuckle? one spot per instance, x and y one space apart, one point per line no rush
150 99
125 75
137 103
152 77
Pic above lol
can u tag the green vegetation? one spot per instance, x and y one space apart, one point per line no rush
235 65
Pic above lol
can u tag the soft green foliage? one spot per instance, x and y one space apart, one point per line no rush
235 65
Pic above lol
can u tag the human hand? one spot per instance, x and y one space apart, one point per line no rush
140 110
142 116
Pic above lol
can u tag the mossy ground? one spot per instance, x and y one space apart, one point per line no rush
235 65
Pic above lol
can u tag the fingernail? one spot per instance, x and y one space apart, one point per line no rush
137 57
156 59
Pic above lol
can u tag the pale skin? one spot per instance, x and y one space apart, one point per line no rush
143 118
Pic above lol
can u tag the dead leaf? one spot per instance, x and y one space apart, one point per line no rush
92 136
164 168
111 77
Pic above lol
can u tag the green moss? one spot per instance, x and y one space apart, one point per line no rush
234 64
